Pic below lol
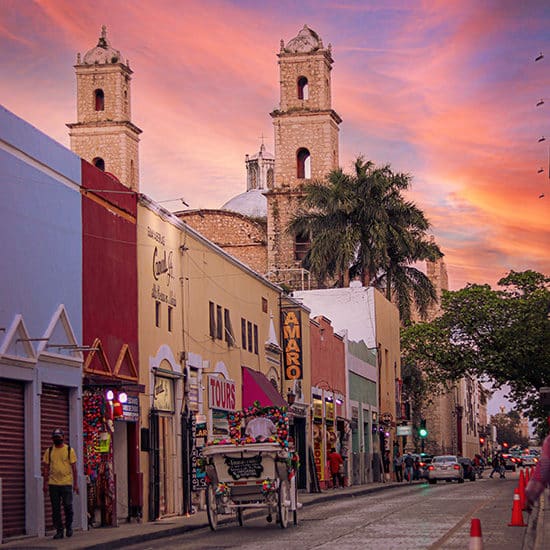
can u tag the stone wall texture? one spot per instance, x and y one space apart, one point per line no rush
243 238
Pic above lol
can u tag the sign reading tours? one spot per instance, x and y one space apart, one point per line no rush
221 393
292 344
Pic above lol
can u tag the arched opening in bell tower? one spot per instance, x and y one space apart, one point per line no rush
303 164
99 100
303 88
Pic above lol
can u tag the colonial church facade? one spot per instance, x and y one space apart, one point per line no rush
252 226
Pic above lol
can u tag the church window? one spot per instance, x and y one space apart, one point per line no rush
303 164
303 88
98 162
270 178
99 97
301 246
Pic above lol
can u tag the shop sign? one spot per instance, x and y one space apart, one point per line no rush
130 409
319 458
163 397
198 462
317 411
329 412
221 393
292 344
193 392
220 424
404 430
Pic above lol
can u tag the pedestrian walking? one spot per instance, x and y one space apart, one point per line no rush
398 467
495 462
336 464
541 475
60 479
409 467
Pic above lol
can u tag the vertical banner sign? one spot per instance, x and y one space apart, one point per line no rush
292 344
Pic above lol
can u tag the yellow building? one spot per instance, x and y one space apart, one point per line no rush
210 343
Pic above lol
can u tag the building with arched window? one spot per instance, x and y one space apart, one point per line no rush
104 133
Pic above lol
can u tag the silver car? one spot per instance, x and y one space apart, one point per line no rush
446 468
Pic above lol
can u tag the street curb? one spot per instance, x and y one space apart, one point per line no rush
171 532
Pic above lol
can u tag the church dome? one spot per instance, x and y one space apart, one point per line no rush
251 203
103 53
307 41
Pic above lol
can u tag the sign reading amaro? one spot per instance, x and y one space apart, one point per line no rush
292 344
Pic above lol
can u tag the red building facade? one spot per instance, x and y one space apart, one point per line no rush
330 427
110 329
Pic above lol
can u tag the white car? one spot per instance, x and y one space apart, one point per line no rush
445 467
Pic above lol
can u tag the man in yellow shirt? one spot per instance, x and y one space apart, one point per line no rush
61 480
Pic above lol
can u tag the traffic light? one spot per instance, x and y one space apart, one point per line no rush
505 445
422 431
481 440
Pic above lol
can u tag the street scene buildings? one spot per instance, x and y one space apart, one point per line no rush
139 330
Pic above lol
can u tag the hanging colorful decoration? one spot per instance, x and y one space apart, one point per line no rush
268 486
222 490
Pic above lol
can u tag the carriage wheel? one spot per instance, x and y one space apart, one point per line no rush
282 504
212 507
240 518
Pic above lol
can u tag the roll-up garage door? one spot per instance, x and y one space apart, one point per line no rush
54 413
12 457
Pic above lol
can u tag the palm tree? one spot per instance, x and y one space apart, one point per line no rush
361 225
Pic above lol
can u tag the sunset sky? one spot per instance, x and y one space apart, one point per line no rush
444 90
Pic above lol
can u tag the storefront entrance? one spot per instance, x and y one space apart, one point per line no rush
12 457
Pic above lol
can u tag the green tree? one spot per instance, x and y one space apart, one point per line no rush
360 224
507 425
502 336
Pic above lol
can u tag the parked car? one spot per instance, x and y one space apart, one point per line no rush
468 467
445 467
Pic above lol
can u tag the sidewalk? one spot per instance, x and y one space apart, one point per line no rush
106 538
537 536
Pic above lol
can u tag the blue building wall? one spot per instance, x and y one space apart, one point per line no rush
41 287
40 227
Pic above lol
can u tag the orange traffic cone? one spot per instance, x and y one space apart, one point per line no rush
521 487
517 516
476 540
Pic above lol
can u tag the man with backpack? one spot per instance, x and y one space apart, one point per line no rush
60 479
409 467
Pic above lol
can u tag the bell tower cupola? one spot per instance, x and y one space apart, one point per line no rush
104 134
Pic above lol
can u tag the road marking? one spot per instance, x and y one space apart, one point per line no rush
438 543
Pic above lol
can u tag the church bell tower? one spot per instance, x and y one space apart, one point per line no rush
306 145
104 134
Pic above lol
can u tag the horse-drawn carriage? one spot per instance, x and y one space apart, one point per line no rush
247 472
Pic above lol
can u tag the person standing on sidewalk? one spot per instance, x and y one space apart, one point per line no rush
541 475
60 480
335 462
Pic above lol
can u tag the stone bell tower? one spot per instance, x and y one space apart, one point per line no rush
306 145
104 134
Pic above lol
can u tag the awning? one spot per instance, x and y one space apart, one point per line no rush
256 387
